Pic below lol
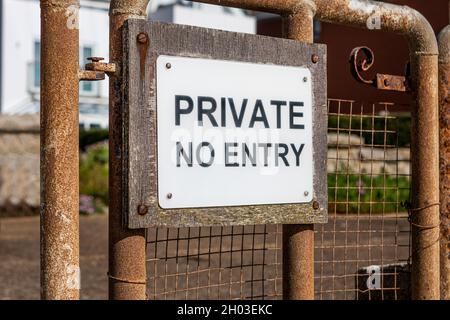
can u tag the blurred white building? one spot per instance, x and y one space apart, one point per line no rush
20 48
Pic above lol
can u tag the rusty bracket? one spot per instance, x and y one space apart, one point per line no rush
381 81
88 75
96 70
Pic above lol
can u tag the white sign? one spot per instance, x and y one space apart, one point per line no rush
232 133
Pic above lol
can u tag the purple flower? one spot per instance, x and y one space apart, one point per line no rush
87 205
360 185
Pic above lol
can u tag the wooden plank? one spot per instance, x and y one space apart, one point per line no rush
139 127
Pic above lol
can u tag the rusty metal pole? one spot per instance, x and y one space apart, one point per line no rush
425 178
59 150
298 240
127 272
444 161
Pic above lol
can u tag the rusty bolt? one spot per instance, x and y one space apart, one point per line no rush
387 83
315 58
315 205
142 38
95 59
142 209
169 196
168 65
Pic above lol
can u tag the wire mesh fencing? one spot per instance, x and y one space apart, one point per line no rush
241 262
361 253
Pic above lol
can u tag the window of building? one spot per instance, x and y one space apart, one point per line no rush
37 64
87 87
317 30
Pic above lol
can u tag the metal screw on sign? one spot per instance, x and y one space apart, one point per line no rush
316 205
142 37
168 65
169 196
142 209
306 193
305 79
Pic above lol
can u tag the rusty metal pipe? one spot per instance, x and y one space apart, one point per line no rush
127 271
356 13
424 63
444 160
298 240
59 150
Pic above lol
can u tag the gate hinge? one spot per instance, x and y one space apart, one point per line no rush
96 69
381 81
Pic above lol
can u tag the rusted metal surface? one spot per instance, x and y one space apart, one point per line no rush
282 7
444 160
392 83
423 55
142 43
88 75
425 178
127 272
96 64
356 13
59 152
298 240
359 65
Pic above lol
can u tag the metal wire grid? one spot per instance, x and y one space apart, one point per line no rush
368 178
242 262
363 251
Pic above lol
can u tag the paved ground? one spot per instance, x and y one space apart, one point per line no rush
19 257
343 246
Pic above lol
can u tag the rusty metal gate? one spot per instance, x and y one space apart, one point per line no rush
368 228
383 225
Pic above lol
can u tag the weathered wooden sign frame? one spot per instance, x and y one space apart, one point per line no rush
143 42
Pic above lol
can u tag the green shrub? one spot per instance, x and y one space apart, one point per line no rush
395 131
92 136
367 194
94 175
